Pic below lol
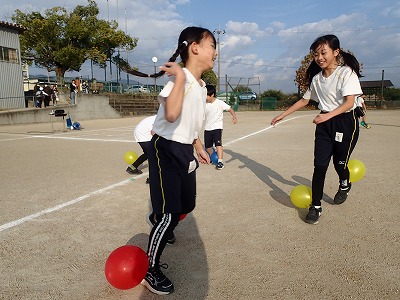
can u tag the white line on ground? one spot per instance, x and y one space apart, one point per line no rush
100 191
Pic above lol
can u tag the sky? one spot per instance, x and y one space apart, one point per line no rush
262 43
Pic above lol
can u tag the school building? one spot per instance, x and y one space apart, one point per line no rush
11 77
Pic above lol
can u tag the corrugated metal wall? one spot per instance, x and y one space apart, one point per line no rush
11 80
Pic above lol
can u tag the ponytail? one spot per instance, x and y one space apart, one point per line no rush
188 36
161 73
350 61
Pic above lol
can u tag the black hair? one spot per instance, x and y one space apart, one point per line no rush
333 42
211 90
188 36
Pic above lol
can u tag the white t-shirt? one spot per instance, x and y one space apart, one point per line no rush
215 114
188 125
142 132
360 101
329 91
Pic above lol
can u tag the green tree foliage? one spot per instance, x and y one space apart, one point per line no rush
392 94
278 94
242 88
209 77
62 41
300 80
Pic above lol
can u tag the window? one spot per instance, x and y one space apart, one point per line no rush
9 54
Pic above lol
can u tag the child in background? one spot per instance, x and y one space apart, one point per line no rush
214 124
143 133
172 164
361 103
335 88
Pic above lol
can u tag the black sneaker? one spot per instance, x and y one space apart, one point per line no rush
133 171
341 194
313 215
157 282
220 165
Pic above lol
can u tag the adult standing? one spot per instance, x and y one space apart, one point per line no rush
73 90
48 93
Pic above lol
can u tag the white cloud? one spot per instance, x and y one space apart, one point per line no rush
242 28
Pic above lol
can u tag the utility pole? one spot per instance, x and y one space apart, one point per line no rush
118 69
382 85
108 12
126 50
218 32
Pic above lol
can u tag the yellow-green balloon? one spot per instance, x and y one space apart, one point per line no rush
357 170
301 196
130 157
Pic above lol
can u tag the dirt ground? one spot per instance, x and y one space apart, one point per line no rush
67 203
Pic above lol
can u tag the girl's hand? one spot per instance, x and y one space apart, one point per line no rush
172 69
321 118
276 120
203 156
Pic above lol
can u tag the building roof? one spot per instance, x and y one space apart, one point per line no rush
17 27
375 84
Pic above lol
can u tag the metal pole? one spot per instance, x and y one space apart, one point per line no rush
383 73
154 60
108 12
126 49
218 32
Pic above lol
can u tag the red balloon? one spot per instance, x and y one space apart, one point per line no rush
182 217
126 267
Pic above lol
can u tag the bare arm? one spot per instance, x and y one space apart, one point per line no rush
232 112
202 155
299 104
347 105
174 102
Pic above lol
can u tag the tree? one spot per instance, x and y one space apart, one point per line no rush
278 94
391 94
301 80
242 88
62 41
209 77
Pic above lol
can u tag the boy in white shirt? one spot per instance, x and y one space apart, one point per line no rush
214 124
361 103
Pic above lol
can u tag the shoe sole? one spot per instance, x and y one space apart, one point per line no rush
312 222
151 289
339 202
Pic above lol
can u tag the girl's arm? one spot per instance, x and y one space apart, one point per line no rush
174 102
347 105
299 104
202 155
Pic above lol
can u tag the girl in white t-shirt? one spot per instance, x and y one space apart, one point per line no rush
172 163
334 87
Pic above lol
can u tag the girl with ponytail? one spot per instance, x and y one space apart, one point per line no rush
334 84
172 164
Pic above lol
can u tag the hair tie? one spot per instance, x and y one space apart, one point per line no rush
185 43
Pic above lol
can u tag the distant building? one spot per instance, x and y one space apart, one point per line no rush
373 89
11 77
